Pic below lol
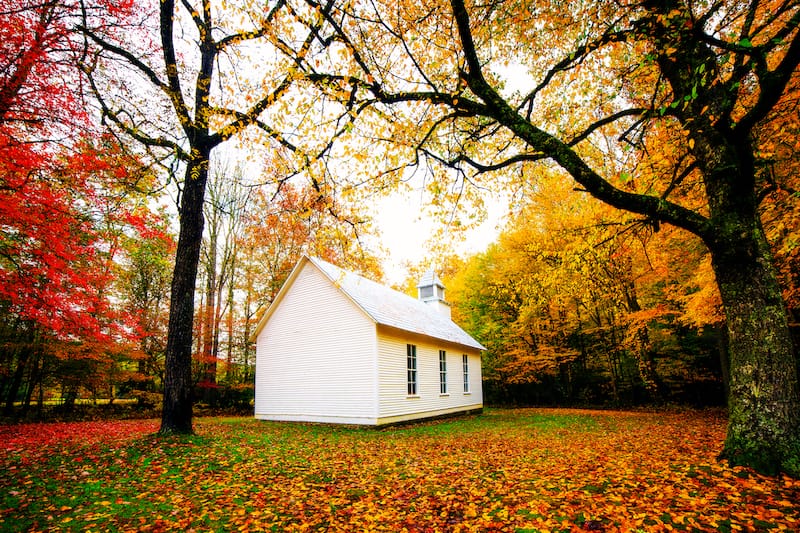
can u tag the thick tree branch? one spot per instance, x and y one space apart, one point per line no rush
173 91
633 112
129 129
773 83
245 119
249 117
651 206
128 57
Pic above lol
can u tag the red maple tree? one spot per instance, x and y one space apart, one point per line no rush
54 168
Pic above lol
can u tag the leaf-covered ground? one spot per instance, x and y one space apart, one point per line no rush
506 470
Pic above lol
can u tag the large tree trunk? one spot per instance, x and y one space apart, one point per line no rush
764 399
176 416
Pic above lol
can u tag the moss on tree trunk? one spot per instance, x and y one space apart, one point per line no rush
764 399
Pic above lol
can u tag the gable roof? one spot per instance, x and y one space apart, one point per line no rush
385 306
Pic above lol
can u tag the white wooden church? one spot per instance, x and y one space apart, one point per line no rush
335 347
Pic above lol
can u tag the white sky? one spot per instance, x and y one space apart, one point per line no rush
405 229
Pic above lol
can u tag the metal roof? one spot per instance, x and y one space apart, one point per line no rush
392 308
430 278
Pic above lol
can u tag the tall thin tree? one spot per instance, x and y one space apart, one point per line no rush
187 113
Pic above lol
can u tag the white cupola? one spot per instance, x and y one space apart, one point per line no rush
431 291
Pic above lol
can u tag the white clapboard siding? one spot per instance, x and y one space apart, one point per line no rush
316 356
396 405
475 377
332 348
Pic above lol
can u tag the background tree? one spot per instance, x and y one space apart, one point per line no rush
705 77
286 222
60 242
50 170
224 211
577 305
144 280
64 202
188 111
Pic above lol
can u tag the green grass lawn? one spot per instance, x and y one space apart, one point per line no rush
506 470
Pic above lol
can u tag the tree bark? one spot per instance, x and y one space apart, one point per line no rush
176 416
22 356
16 381
764 399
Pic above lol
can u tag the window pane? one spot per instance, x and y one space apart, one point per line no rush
411 369
442 372
465 366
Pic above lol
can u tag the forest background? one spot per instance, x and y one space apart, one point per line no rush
165 165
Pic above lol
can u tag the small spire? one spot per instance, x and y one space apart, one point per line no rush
430 290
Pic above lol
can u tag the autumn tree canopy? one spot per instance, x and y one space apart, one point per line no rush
50 171
655 108
69 194
181 82
678 114
578 305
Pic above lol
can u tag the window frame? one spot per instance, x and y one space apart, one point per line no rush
465 369
443 373
411 370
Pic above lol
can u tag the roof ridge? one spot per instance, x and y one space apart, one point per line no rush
390 307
